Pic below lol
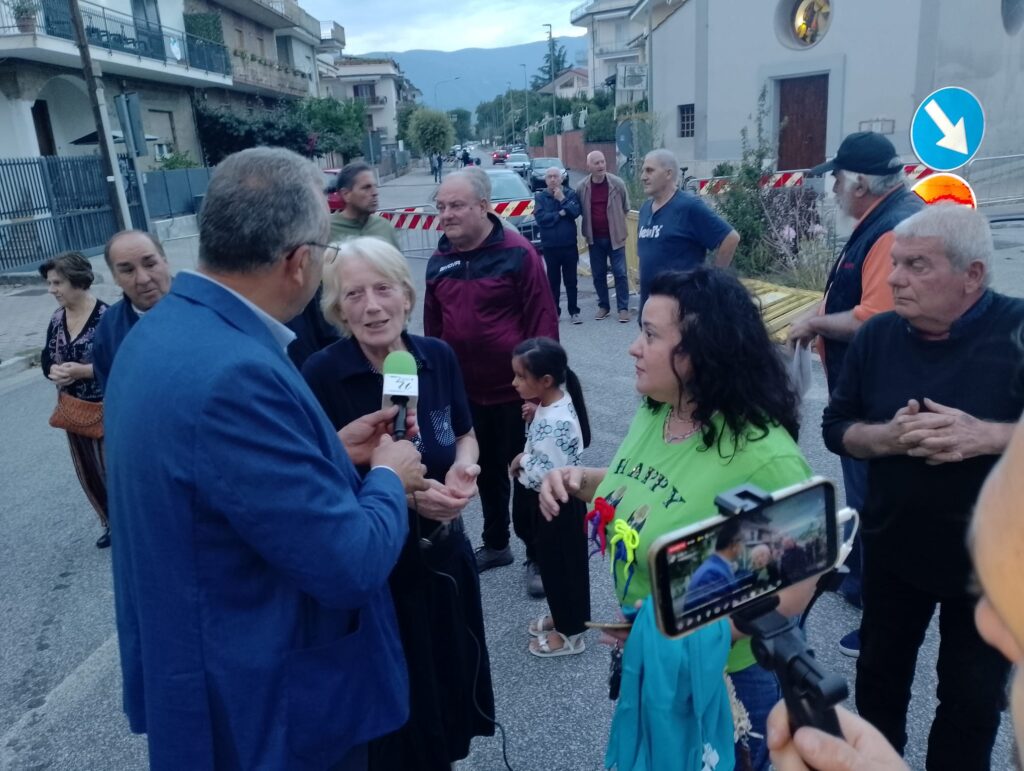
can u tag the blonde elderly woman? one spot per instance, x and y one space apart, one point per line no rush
368 295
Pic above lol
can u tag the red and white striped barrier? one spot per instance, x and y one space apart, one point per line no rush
780 179
412 218
417 218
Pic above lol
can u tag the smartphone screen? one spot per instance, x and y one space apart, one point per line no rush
713 569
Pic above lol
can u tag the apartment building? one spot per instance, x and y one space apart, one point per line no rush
614 38
272 45
379 84
568 84
818 62
139 45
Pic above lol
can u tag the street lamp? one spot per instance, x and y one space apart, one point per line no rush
504 119
441 83
511 110
526 97
551 65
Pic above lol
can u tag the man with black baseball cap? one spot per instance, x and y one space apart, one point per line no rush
869 187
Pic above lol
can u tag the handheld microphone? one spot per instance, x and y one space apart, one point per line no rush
401 386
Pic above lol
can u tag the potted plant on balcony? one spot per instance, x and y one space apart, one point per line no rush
24 13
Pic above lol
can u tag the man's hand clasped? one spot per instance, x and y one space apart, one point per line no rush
940 434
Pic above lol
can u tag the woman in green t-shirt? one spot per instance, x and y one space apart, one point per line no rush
718 412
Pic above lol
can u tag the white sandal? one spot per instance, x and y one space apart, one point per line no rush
571 645
539 626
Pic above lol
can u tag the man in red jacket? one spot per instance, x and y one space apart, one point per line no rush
487 291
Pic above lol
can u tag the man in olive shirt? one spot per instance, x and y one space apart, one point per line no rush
358 187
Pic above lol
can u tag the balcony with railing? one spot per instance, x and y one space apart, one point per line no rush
371 101
303 20
120 32
615 48
267 75
583 10
332 34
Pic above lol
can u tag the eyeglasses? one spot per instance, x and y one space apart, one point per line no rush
330 251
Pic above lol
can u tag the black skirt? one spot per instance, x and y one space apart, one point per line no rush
436 591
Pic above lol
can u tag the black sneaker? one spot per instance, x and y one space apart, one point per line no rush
487 558
103 541
850 644
534 583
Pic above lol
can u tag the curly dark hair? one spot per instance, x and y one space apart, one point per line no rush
736 369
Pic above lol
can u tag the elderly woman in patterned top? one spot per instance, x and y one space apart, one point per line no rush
67 362
368 295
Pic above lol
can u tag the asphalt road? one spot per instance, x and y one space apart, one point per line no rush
59 673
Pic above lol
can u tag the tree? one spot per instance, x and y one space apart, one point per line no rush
600 126
431 131
543 76
334 126
461 124
223 131
311 127
405 112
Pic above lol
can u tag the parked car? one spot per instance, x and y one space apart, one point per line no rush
499 155
334 199
538 166
506 185
518 162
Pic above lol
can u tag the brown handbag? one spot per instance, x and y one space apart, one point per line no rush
78 416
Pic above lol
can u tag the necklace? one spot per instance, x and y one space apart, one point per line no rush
670 438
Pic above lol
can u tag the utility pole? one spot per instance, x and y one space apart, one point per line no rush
511 109
526 97
551 66
108 157
504 119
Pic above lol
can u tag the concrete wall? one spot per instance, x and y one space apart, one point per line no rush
934 43
573 151
20 135
697 59
971 48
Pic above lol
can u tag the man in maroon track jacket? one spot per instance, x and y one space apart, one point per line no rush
487 291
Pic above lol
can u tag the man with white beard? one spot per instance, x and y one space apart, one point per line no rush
871 189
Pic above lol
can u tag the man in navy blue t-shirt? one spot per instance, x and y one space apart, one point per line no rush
676 229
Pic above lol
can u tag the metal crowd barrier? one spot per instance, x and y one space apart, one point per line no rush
998 179
417 228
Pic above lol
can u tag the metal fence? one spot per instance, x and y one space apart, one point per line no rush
175 193
54 204
417 228
998 179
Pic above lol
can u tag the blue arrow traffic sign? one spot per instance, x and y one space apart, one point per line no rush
947 128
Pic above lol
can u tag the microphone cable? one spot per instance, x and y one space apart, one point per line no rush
476 675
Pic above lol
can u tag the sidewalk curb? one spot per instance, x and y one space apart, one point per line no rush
14 366
19 279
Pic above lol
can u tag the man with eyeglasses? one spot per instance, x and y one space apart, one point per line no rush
487 291
250 560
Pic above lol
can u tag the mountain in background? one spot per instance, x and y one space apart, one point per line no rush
483 72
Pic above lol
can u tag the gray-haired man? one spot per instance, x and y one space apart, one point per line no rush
604 203
928 396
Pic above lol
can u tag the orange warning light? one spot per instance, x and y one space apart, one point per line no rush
946 187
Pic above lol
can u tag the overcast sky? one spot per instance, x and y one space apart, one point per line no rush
443 25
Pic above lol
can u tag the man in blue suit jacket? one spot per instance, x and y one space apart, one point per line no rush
250 563
139 266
